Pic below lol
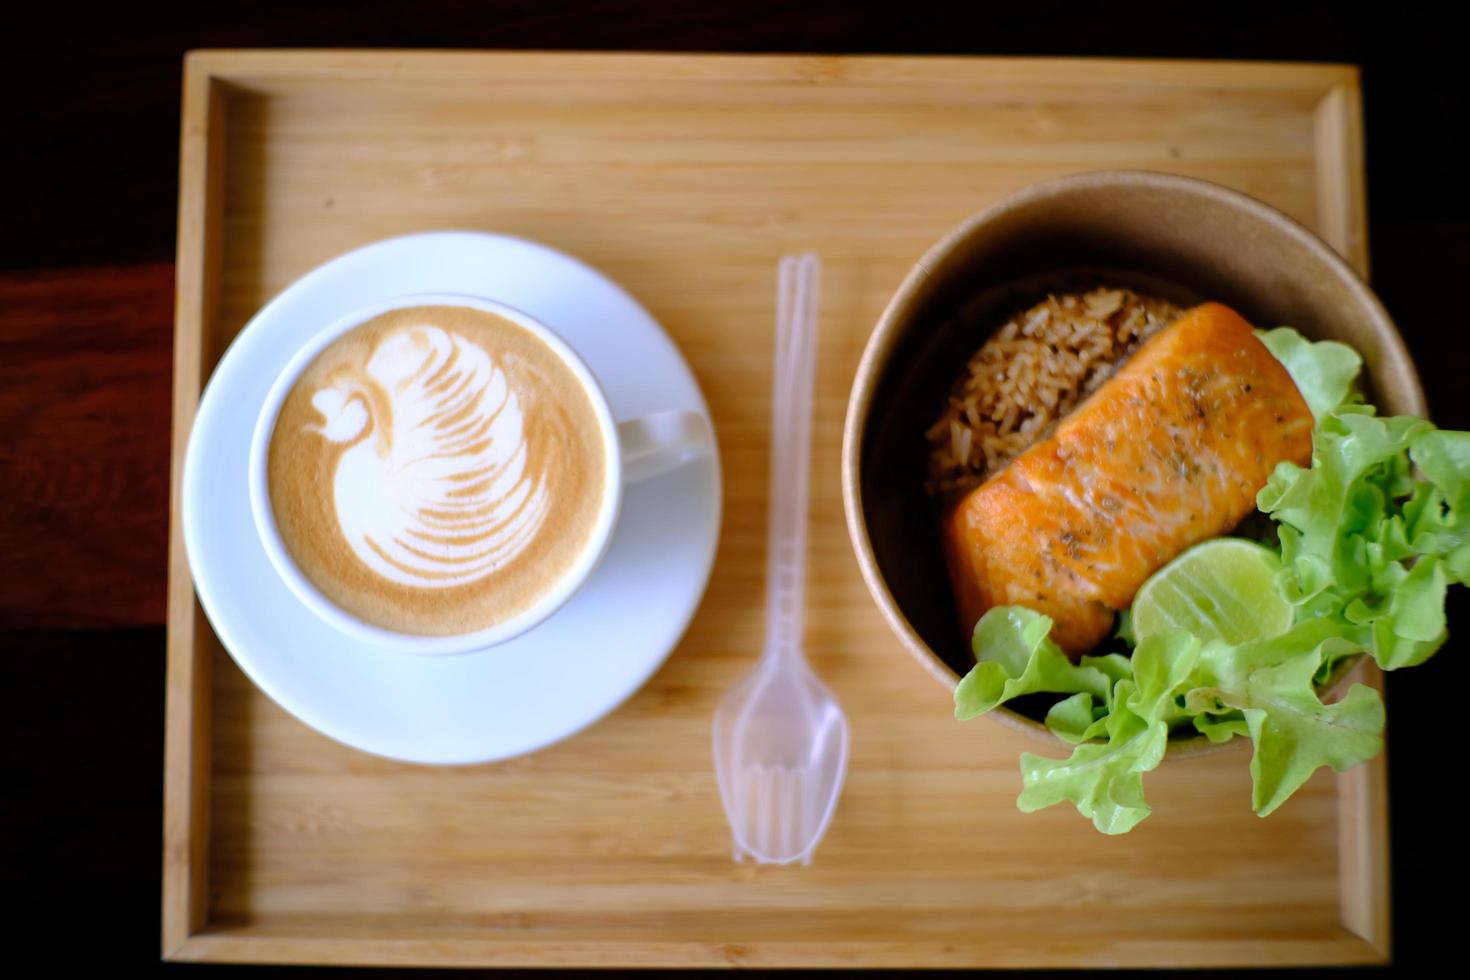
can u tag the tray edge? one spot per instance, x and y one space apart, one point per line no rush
186 933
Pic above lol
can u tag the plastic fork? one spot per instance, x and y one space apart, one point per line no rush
780 737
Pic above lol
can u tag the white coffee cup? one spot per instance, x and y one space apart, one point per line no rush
634 450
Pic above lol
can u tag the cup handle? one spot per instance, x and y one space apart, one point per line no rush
664 441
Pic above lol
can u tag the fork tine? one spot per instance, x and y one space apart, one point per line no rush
811 811
790 791
777 844
778 813
762 800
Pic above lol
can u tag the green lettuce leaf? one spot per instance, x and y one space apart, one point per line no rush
1325 372
1265 689
1367 545
1221 727
1014 655
1412 627
1436 519
1293 732
1163 665
1077 719
1124 628
1082 717
1104 781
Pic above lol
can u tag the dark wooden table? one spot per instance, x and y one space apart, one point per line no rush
86 304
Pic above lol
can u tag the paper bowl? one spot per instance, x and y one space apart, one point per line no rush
1183 239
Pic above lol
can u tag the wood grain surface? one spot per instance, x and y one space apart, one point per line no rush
685 178
84 394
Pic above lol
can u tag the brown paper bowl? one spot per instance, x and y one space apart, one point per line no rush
1183 239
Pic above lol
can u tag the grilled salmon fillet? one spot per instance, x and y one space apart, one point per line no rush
1168 452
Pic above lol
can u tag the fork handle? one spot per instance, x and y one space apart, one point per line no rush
791 423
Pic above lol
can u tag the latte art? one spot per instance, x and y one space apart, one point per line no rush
435 490
436 470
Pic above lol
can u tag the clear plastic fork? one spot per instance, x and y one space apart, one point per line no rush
780 737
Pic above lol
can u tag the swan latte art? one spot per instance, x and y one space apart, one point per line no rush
436 470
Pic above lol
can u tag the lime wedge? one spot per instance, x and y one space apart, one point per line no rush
1220 590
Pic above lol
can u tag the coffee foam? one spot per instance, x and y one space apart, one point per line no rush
443 494
419 461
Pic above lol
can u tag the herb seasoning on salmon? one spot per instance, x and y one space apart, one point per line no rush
1169 451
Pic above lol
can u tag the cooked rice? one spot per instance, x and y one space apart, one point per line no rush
1031 373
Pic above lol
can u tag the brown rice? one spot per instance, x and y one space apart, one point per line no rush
1031 373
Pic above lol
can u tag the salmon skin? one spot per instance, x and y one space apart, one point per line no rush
1168 452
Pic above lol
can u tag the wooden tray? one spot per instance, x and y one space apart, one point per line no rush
685 178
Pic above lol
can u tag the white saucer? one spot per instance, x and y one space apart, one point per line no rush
524 694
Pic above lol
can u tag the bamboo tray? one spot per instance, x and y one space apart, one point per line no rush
685 178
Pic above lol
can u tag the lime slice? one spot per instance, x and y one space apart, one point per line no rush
1219 590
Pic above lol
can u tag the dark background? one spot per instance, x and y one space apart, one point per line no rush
86 299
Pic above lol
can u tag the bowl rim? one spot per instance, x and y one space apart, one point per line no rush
888 330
